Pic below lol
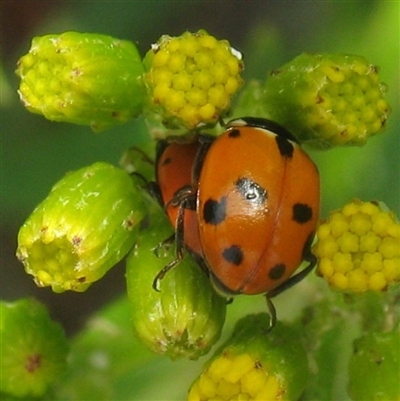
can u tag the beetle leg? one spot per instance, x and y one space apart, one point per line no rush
296 278
272 313
164 245
161 274
178 237
286 285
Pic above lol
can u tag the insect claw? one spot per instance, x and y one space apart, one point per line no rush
156 282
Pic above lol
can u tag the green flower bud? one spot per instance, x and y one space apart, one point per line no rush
192 78
328 99
83 228
34 349
374 367
183 319
82 78
255 364
358 248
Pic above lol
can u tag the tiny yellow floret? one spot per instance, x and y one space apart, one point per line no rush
219 367
254 381
236 377
240 365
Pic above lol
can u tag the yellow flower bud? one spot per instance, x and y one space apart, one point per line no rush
358 248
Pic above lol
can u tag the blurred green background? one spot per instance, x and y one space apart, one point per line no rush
35 153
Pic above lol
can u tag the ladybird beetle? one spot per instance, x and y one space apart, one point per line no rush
257 205
256 195
174 165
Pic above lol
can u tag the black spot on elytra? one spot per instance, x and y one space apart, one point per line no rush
166 161
214 212
251 191
234 133
285 147
302 213
276 272
233 254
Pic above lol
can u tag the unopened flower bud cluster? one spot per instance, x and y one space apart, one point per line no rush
359 248
193 77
